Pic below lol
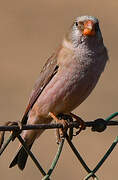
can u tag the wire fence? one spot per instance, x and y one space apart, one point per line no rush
98 125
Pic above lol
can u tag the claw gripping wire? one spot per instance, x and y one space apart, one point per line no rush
98 125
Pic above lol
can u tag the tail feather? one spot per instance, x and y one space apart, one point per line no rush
20 158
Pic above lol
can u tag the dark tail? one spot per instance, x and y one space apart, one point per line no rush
20 158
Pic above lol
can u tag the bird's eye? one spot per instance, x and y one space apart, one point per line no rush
76 23
79 25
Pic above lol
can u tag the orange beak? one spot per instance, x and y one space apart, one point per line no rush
89 28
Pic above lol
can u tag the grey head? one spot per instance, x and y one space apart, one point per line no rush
84 29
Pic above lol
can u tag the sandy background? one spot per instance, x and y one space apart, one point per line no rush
29 32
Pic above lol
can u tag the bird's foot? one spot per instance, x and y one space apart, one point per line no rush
17 123
60 133
81 122
2 133
15 132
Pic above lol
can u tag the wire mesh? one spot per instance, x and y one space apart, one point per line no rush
98 125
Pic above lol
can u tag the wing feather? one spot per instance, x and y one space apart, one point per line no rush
47 73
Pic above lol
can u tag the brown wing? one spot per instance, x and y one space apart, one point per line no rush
47 73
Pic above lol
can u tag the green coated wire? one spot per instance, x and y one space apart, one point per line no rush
79 157
91 174
54 161
31 155
103 159
77 154
111 116
95 178
106 155
46 176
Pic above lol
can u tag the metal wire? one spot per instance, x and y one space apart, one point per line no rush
74 124
103 159
98 125
55 160
31 155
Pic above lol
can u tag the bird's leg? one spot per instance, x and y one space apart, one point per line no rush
81 122
69 120
8 123
16 132
61 131
57 134
2 134
18 123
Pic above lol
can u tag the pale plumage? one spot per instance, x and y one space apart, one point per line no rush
67 78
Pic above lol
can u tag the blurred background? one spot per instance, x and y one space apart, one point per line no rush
30 30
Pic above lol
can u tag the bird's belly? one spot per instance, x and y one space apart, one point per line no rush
65 92
75 93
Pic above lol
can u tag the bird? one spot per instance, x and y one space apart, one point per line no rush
66 80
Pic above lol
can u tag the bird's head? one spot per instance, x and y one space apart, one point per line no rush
84 29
